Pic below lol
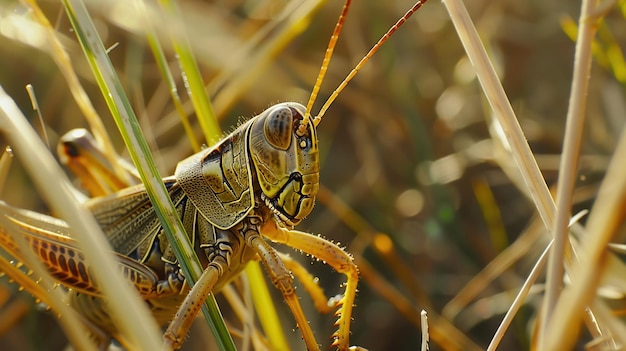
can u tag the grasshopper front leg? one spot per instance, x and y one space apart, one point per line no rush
334 256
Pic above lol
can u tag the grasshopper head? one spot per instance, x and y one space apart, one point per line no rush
285 156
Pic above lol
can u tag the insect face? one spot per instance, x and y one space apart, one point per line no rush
285 155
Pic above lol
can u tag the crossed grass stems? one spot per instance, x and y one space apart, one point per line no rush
371 247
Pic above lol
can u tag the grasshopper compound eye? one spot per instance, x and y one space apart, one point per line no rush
278 127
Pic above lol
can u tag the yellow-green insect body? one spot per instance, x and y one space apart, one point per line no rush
268 158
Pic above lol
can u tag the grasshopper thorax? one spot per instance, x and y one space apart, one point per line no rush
283 149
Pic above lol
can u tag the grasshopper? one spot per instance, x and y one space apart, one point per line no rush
254 185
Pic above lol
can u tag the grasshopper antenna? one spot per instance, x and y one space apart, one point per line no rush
361 63
327 56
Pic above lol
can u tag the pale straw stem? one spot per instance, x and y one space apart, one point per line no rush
569 161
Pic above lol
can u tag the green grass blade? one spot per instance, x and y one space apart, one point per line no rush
193 79
265 307
159 56
140 154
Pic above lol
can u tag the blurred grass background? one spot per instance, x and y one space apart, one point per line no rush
406 146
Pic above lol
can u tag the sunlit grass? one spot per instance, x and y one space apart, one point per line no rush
418 178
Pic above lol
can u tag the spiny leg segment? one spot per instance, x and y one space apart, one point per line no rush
320 300
334 256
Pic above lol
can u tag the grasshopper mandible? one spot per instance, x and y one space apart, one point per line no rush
255 184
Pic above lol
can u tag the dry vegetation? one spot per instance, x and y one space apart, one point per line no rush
410 151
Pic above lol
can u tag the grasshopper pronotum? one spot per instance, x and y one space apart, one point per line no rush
259 182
